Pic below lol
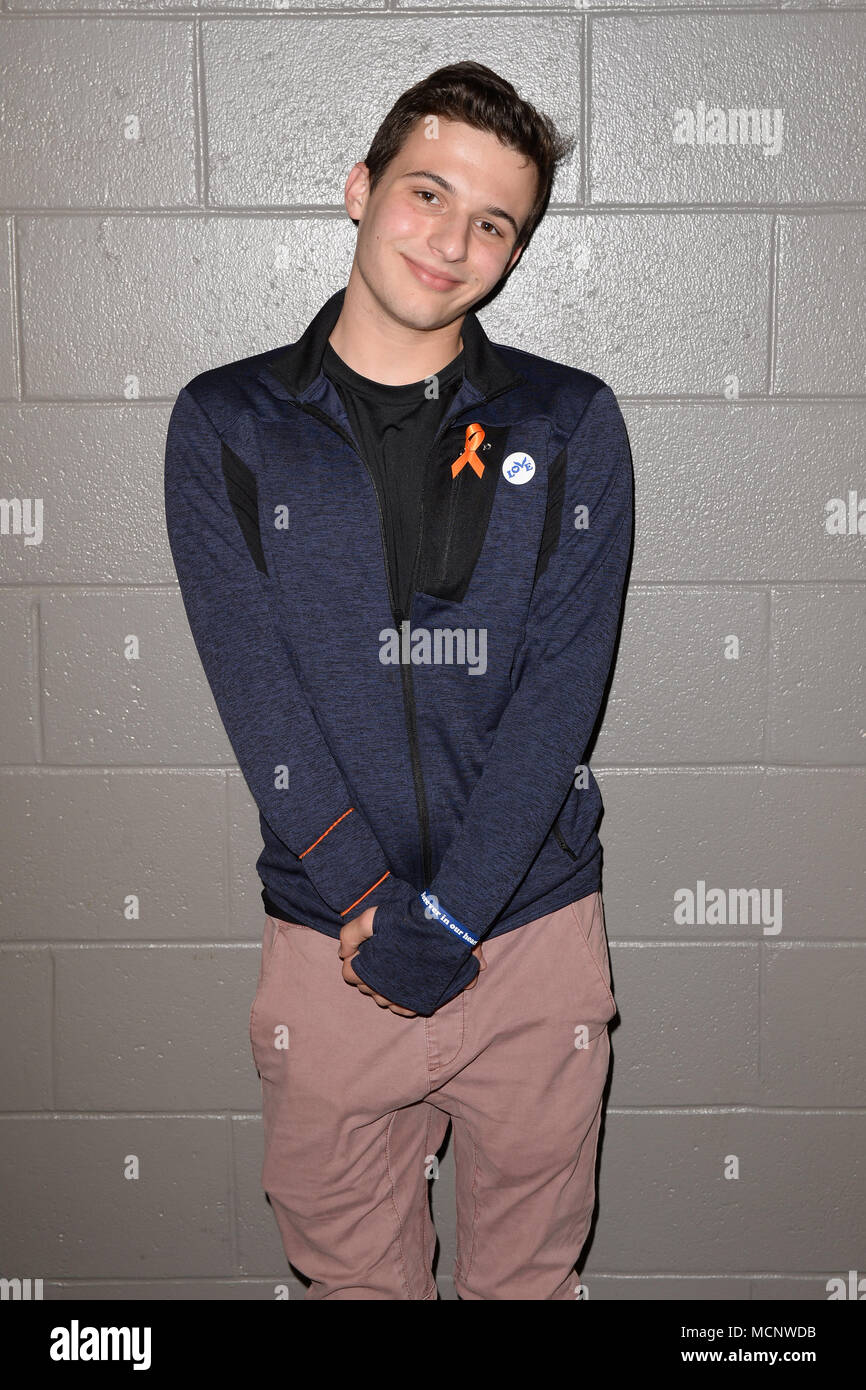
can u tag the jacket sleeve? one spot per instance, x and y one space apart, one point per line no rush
423 947
277 741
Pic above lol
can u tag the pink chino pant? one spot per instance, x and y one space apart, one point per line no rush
356 1102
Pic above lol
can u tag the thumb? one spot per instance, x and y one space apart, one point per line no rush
482 965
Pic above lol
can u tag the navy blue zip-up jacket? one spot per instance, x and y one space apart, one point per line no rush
429 763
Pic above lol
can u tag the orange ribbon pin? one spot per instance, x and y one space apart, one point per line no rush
474 436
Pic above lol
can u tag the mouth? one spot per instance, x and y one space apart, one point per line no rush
430 278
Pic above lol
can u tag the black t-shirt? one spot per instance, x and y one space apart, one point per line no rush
394 427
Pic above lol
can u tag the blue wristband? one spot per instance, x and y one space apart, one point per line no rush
446 920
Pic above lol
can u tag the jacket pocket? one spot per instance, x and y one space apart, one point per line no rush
560 840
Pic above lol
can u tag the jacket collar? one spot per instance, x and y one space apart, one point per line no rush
299 367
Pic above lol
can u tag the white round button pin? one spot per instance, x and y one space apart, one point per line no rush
518 468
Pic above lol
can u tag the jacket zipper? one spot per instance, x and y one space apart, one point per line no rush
443 568
409 706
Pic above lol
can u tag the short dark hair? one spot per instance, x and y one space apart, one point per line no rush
479 97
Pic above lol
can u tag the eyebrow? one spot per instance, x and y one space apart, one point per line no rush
449 188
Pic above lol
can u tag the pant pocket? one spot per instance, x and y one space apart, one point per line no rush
588 915
272 937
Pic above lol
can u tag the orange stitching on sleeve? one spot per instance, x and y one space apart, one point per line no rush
367 894
326 832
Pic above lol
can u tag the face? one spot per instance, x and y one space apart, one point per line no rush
432 243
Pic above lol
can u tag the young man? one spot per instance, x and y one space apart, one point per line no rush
402 552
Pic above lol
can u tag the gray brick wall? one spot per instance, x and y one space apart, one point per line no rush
171 184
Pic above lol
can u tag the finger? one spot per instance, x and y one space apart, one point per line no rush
395 1008
352 979
384 1003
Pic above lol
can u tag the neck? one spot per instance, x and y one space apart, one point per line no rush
378 346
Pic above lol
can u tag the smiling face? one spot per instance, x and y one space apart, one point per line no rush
438 232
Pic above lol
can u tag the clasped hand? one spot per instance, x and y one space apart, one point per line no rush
351 936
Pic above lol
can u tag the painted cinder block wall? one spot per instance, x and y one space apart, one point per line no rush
172 198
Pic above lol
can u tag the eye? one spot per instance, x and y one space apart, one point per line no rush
426 193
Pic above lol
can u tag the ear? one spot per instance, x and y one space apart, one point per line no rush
357 189
514 258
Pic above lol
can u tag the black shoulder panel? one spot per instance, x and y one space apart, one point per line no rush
243 495
553 513
456 514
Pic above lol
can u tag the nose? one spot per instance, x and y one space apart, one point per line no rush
450 237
